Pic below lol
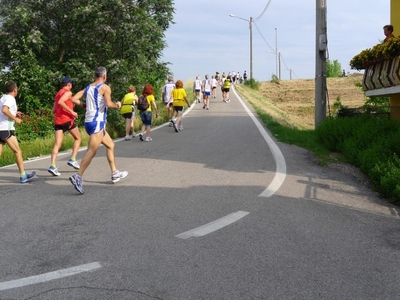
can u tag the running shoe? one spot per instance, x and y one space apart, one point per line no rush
141 136
117 175
127 138
27 177
53 171
77 182
208 108
148 139
180 128
175 127
74 164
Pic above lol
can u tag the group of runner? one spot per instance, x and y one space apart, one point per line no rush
97 97
207 88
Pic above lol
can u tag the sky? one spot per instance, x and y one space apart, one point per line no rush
205 39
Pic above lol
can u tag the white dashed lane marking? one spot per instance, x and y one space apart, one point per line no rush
213 226
48 276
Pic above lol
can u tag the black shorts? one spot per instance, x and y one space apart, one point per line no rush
65 127
178 108
225 90
168 105
5 135
128 115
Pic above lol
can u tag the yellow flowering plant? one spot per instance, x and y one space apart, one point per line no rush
377 53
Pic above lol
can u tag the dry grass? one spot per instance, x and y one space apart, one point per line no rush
291 102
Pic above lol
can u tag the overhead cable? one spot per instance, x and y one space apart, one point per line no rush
265 9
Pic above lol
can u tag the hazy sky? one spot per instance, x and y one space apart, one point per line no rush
205 39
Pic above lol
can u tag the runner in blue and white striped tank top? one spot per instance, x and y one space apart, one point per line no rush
96 109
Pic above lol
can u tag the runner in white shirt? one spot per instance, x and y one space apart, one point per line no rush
214 83
9 115
166 95
233 77
197 89
206 88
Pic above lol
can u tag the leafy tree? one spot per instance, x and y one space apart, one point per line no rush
43 40
333 69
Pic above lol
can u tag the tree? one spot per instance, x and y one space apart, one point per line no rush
333 69
43 40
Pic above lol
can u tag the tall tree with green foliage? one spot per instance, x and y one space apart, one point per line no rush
333 69
43 40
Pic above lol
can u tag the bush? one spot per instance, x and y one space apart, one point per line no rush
369 143
252 83
35 126
386 176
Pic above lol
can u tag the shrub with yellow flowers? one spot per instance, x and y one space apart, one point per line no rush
377 53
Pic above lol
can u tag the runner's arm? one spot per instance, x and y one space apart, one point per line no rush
76 98
62 100
107 97
6 110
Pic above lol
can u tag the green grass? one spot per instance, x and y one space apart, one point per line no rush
306 139
39 148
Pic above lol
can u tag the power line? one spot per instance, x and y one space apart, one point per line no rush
273 50
287 68
265 9
263 37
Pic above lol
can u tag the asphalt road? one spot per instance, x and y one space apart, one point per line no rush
219 210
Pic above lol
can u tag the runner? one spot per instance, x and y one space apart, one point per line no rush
179 97
147 115
197 89
64 120
128 111
9 115
214 83
225 89
206 88
166 95
98 100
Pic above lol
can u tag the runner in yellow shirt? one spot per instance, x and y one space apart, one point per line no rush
178 98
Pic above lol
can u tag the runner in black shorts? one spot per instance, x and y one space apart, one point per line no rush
9 115
64 120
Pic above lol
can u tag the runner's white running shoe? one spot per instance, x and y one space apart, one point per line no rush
117 175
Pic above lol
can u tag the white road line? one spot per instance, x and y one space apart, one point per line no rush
213 226
280 173
48 276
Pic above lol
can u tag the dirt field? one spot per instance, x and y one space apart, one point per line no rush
291 102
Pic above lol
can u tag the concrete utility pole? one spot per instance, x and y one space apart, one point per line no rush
320 62
251 47
250 21
276 51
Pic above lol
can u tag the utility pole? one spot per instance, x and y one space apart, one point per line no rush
279 55
276 51
320 62
250 21
251 47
